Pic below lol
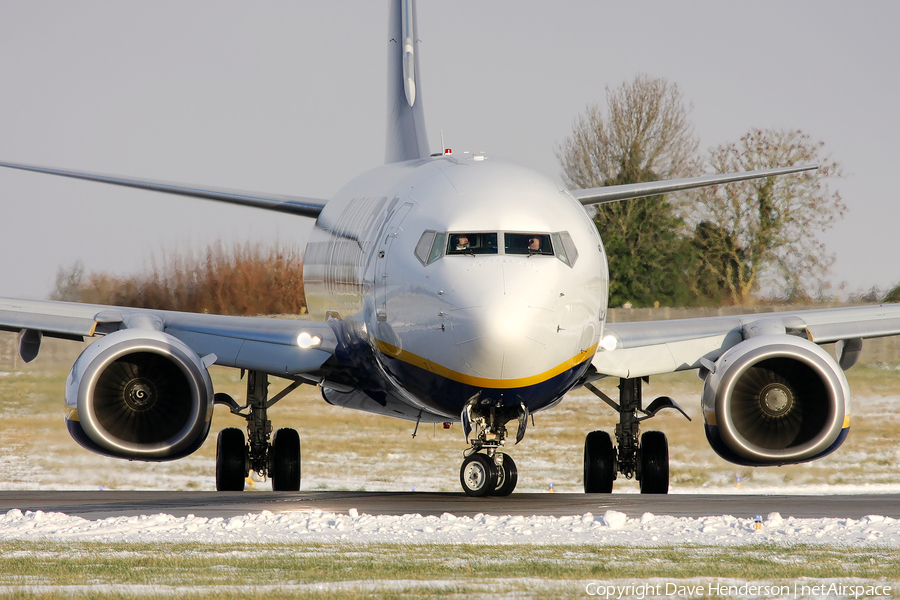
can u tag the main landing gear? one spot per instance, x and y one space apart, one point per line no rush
235 457
648 461
492 472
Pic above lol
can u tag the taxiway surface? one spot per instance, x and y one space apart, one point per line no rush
104 504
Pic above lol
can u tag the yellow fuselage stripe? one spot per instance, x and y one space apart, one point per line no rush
423 363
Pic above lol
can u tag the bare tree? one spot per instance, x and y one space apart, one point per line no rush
69 283
645 136
647 132
761 234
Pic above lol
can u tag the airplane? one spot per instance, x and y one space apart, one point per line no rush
449 288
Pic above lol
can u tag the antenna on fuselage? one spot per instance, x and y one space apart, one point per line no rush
444 149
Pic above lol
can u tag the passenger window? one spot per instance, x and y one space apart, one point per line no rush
472 243
528 243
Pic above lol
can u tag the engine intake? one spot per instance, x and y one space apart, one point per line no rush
139 394
775 399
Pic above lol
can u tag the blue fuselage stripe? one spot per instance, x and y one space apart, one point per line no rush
449 396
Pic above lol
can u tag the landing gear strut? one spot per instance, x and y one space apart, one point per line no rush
490 473
645 457
278 459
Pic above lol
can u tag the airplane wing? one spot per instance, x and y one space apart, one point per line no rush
640 349
295 205
615 193
284 347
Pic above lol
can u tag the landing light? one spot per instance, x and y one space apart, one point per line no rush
609 343
306 341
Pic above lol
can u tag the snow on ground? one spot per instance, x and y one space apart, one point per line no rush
611 528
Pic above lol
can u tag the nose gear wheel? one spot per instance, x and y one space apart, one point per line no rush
478 475
507 476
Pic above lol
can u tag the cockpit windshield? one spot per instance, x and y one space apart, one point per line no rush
435 244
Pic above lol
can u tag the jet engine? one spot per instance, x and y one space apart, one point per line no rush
139 394
775 400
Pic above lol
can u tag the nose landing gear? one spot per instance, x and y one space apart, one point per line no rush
491 473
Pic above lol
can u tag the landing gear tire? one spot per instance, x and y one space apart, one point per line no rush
231 460
654 461
507 477
599 463
285 461
478 475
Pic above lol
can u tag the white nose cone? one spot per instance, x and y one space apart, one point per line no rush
505 328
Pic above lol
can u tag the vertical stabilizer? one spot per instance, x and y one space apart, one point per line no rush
406 137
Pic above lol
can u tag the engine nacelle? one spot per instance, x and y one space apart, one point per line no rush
775 400
139 394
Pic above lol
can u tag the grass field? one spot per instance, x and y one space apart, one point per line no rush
55 570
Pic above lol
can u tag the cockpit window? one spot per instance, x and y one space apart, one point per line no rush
472 243
423 248
430 246
528 243
437 249
565 247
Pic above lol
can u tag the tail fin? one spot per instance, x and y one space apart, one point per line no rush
406 136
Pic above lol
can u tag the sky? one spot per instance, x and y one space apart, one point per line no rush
289 97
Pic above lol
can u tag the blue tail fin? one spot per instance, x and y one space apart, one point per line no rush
406 137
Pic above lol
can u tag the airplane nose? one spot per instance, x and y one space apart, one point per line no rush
504 322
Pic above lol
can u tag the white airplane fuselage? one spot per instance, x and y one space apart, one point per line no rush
498 323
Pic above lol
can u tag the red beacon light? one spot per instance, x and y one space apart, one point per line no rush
448 151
